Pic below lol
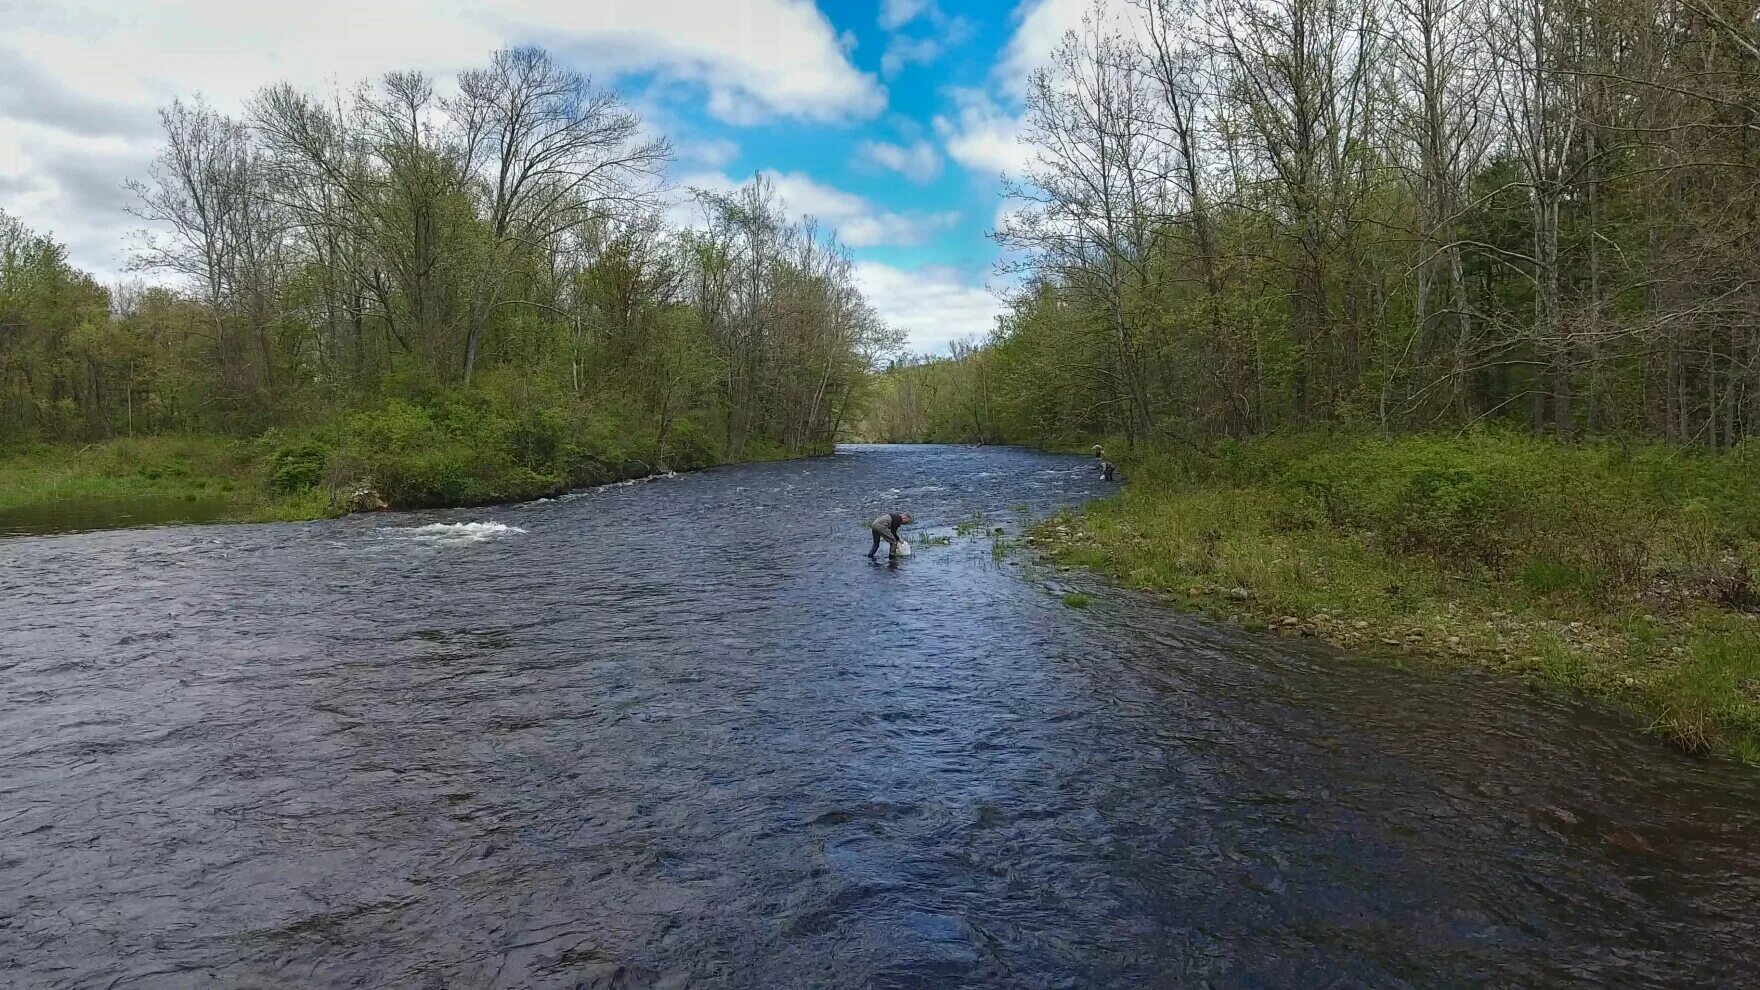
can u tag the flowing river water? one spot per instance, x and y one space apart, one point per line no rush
683 734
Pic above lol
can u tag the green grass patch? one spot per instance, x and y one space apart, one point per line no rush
1548 577
1625 571
477 447
218 474
1076 599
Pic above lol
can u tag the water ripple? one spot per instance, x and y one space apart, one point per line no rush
686 735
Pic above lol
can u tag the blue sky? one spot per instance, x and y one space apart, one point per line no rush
928 188
896 159
891 120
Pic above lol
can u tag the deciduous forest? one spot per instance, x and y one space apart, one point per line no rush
1247 215
1419 325
453 292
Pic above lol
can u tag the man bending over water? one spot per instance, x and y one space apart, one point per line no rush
886 528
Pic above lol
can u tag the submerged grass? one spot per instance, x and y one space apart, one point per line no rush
1626 572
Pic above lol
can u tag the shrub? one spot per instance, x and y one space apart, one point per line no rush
689 446
297 468
536 439
762 449
393 427
1455 512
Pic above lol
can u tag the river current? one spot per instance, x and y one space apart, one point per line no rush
683 733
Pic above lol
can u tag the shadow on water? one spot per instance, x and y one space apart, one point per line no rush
87 515
683 734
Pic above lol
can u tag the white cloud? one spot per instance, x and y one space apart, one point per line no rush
1042 25
709 152
917 162
981 135
139 52
982 132
96 70
902 51
933 305
895 14
857 221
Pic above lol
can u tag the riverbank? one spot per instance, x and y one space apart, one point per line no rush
1624 571
398 456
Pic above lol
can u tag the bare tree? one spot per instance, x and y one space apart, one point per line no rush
549 153
199 201
1094 195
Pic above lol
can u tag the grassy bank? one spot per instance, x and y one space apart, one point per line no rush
210 470
1631 572
455 451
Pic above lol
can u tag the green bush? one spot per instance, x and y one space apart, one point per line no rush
1615 514
535 440
688 446
297 468
763 449
393 427
1457 512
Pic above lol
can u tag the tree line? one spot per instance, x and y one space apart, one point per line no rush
504 233
1247 215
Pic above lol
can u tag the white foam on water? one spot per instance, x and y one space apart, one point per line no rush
583 493
457 533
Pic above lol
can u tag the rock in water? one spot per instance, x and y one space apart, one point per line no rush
363 498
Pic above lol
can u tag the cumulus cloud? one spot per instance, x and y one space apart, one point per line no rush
857 220
226 48
981 135
933 305
98 69
982 131
918 162
895 14
709 152
902 49
1041 25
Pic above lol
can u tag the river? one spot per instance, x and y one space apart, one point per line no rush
683 734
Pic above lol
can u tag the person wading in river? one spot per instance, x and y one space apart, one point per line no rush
886 528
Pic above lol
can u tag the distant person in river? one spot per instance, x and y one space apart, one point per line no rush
886 528
1107 470
1097 450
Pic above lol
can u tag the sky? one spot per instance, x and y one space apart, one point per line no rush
892 121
